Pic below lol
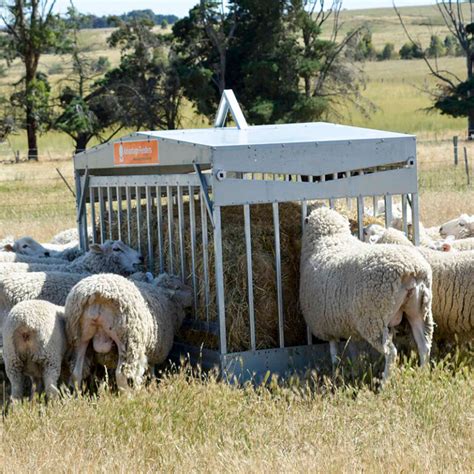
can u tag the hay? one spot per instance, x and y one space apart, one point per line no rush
235 270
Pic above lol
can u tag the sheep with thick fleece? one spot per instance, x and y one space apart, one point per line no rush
453 288
352 289
140 319
29 246
113 256
34 345
461 227
69 236
13 257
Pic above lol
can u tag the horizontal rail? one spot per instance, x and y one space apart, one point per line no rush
147 180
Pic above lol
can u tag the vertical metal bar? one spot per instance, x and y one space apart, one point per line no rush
248 249
388 210
415 218
84 230
219 265
192 230
129 212
375 204
405 213
304 212
159 227
276 224
181 233
93 223
169 196
150 259
360 217
138 204
110 210
205 253
102 215
77 178
119 211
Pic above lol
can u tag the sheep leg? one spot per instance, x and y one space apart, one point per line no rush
333 352
50 379
385 346
120 378
79 364
17 383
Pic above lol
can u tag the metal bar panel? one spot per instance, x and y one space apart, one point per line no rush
169 199
151 257
360 217
192 230
229 102
248 249
93 220
129 215
81 193
205 254
304 214
102 215
204 191
159 227
388 210
110 210
149 180
138 203
119 211
405 213
316 159
219 265
415 218
181 233
276 224
241 191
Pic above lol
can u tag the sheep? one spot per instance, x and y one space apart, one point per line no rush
12 257
141 319
34 345
29 246
351 289
460 228
69 236
113 256
452 289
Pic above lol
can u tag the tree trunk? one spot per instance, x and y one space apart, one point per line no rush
470 118
81 142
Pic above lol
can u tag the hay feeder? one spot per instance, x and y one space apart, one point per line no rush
224 208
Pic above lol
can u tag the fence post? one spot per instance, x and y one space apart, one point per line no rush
455 145
466 163
17 156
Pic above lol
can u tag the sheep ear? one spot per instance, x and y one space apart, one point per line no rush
446 247
96 248
8 248
306 220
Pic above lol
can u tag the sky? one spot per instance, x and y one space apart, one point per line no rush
181 7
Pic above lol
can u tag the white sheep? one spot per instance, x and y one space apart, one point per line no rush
138 320
461 227
13 257
29 246
351 289
34 345
69 236
453 288
113 256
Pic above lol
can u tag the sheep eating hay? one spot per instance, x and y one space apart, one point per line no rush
34 345
141 319
351 289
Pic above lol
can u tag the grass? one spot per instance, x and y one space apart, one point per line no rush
422 421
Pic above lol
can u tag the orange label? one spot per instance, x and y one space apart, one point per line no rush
142 152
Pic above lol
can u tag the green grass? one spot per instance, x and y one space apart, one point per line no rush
422 421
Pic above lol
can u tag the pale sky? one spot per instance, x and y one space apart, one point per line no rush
181 7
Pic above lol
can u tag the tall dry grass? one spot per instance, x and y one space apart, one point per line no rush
421 422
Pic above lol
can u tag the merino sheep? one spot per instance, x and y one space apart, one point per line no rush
453 288
34 346
351 289
141 319
29 246
113 256
12 257
461 227
69 236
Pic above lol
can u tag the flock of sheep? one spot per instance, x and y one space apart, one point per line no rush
62 311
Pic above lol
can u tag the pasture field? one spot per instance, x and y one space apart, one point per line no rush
421 422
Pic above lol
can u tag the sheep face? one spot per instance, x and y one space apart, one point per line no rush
28 246
124 256
326 222
372 233
460 228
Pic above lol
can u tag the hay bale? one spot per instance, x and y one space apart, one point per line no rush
235 270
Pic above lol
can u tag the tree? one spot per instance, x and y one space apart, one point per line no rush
31 29
436 48
388 52
145 83
411 51
454 95
86 109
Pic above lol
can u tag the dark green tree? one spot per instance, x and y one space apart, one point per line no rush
436 48
31 28
388 52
